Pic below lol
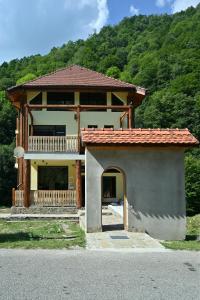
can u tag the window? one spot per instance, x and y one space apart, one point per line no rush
108 126
52 178
37 99
56 98
109 186
93 99
49 130
92 126
116 101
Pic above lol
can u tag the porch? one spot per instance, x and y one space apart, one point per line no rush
46 198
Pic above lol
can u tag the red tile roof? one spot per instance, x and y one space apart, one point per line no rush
77 76
138 136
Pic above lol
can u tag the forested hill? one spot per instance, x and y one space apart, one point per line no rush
161 53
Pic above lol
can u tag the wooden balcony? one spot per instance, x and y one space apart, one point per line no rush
67 144
44 198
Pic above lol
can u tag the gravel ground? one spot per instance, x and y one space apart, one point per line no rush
76 274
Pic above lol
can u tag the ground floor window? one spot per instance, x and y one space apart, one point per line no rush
52 178
109 186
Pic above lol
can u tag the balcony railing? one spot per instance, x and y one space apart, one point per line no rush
53 143
47 198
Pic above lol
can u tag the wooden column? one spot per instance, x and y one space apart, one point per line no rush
26 181
20 160
78 184
130 117
26 128
79 126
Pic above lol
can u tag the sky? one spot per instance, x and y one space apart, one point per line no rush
29 27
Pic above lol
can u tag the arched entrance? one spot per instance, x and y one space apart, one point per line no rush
113 196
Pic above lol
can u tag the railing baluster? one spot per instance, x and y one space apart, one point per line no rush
53 143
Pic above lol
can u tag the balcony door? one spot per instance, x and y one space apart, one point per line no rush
52 178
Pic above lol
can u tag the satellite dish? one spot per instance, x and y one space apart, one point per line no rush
19 152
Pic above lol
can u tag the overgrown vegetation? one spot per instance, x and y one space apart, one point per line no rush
192 241
40 234
161 53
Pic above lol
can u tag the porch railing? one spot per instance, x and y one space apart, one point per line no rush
53 143
47 198
18 198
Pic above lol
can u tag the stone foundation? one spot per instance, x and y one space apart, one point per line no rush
43 210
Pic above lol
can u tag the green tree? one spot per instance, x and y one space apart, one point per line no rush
113 72
26 78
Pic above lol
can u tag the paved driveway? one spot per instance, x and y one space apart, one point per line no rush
93 275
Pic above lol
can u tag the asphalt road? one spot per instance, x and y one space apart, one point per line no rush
49 274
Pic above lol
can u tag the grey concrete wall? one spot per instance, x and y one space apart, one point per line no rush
154 184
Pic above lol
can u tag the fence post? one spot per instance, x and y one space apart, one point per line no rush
13 196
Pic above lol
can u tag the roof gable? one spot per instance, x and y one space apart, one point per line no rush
77 76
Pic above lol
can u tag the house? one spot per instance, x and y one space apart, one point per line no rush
77 146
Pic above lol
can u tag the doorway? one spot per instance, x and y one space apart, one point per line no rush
113 199
52 178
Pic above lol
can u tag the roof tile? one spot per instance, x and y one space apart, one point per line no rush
78 76
138 136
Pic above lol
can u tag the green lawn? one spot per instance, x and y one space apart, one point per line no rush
191 242
40 234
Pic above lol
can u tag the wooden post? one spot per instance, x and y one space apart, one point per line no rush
20 160
79 125
13 196
17 131
26 128
26 182
78 184
31 116
130 117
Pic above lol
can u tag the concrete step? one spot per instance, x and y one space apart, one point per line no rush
20 217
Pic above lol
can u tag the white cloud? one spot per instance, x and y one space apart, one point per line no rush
133 10
35 26
160 3
103 14
179 5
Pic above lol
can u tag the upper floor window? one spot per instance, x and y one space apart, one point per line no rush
59 98
92 126
93 99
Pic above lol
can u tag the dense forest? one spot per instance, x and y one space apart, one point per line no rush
161 53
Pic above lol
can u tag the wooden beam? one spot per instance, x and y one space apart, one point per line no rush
26 182
78 184
82 107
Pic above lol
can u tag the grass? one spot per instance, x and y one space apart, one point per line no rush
191 242
44 234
